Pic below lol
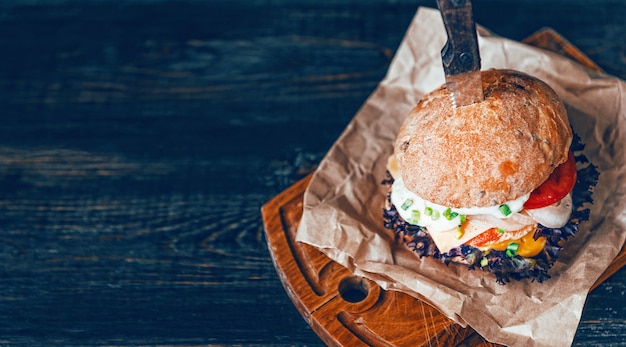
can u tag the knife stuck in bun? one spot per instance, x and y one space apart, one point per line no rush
493 185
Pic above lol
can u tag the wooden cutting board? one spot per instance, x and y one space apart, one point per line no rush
345 310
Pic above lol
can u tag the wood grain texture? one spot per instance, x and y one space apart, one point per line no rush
139 139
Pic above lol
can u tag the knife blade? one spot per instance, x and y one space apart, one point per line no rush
460 55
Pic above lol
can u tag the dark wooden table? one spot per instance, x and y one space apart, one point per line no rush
139 139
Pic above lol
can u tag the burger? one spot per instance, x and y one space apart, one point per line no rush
493 185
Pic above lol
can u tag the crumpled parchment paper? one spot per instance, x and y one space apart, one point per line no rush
343 203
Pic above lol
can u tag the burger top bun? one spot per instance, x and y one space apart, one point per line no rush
487 153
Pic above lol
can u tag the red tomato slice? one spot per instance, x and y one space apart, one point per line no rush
556 187
491 235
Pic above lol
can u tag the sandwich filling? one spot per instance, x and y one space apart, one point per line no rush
505 226
510 225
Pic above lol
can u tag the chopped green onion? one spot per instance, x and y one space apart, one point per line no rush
454 215
511 249
463 218
435 215
504 208
484 262
501 231
416 216
407 203
458 233
447 213
428 211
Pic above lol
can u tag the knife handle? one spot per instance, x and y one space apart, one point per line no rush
460 54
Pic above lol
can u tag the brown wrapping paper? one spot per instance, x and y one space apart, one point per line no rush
343 203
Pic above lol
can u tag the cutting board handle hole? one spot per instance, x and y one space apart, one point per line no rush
353 289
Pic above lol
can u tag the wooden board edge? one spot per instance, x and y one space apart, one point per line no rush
548 39
271 213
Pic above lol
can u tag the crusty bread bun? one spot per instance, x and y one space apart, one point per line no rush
486 153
